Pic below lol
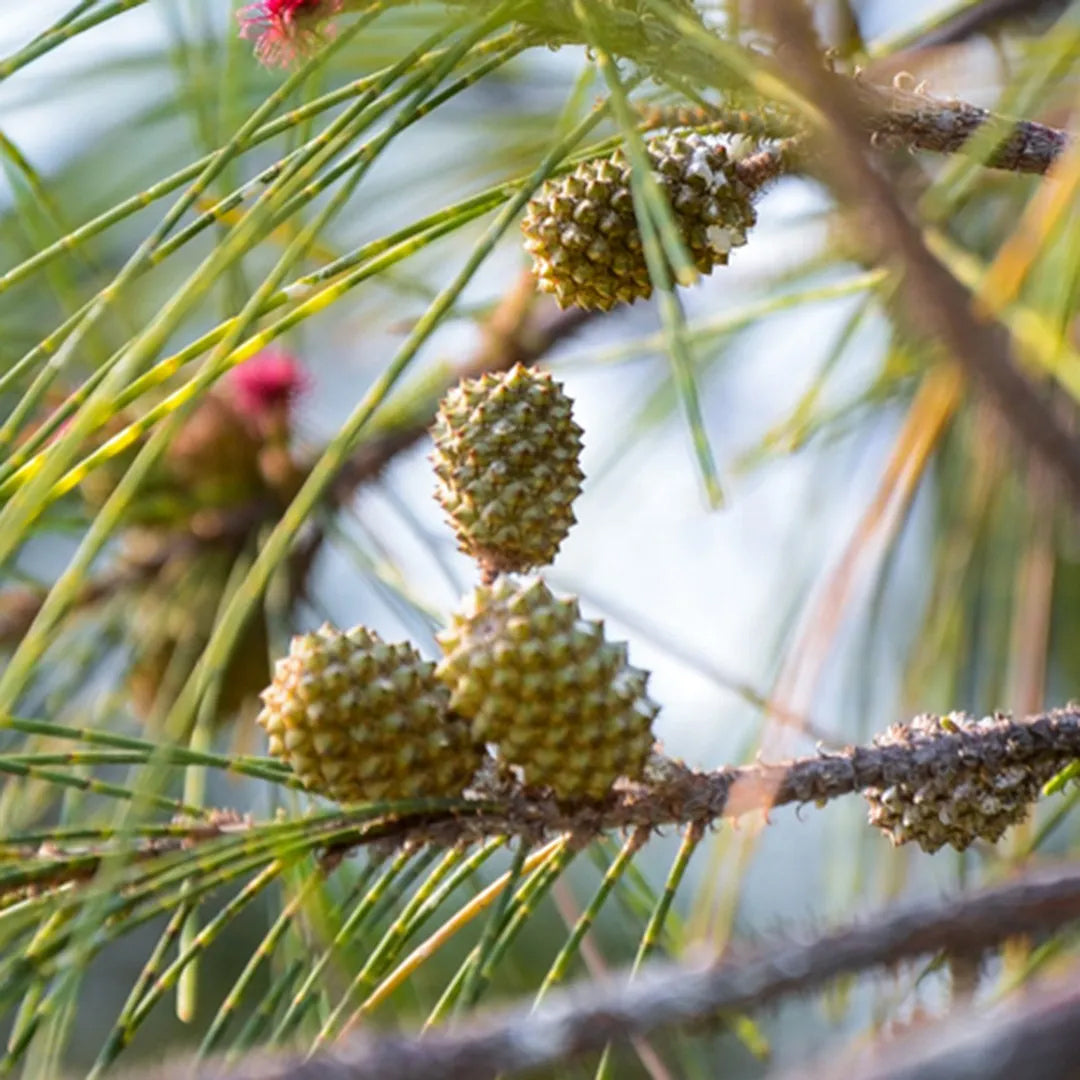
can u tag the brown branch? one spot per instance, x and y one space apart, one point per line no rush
585 1018
917 121
929 298
673 794
913 120
894 117
1040 745
1036 1037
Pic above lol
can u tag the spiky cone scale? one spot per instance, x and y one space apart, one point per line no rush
360 720
583 236
541 683
507 460
975 792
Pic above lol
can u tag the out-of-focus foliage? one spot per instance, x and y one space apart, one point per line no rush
170 210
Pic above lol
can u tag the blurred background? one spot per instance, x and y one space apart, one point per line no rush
882 550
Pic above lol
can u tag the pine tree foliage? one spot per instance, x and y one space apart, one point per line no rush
230 312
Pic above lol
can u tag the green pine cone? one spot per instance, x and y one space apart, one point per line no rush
359 720
542 684
506 457
583 235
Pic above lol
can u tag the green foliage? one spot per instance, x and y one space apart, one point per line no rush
360 208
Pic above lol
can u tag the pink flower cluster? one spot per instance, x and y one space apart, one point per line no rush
286 29
270 380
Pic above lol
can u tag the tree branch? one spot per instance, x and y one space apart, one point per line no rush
1036 1037
585 1018
894 117
929 298
901 117
1040 746
917 121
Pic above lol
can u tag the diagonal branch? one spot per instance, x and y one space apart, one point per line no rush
586 1017
917 121
670 42
1036 1037
932 302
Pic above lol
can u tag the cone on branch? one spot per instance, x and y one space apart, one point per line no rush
959 783
506 457
541 683
360 720
582 232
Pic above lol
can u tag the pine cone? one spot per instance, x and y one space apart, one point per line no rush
583 235
506 455
359 720
973 792
542 684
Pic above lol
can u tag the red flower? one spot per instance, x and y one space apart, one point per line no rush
286 29
267 382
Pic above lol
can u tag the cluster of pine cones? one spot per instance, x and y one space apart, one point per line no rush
523 676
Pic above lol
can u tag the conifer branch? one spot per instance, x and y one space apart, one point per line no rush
1036 1036
915 120
894 115
584 1018
672 794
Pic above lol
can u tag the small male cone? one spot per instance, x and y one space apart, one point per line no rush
974 791
542 684
583 235
359 720
506 457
